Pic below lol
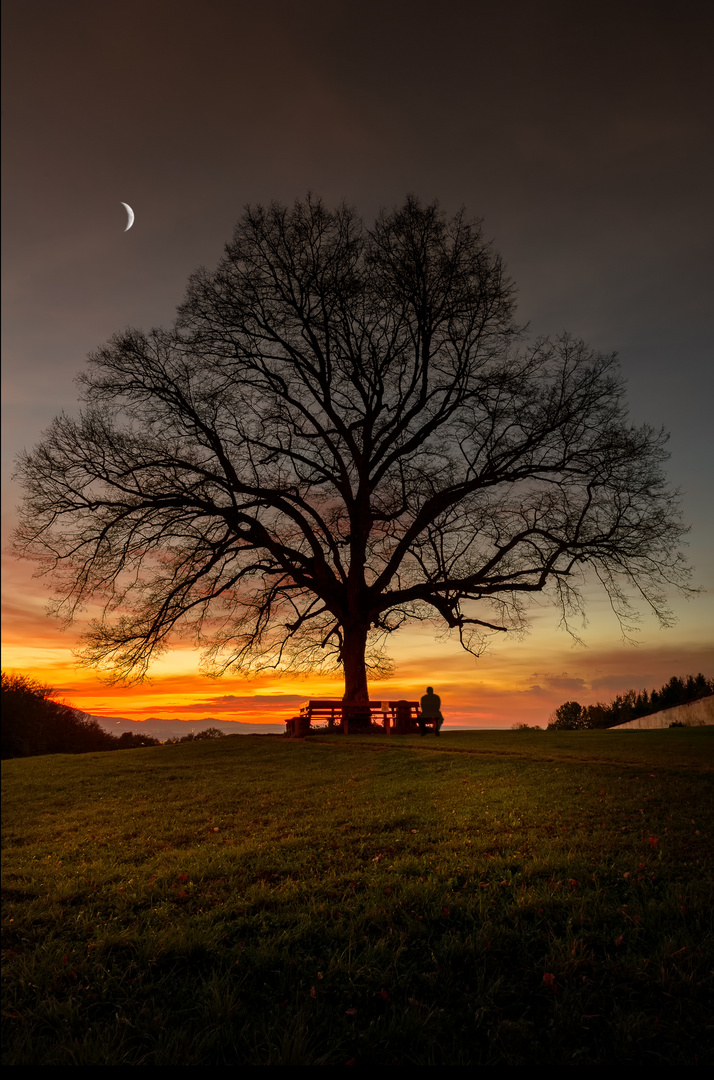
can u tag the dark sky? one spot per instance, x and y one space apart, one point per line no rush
581 133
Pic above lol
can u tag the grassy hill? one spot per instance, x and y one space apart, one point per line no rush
486 898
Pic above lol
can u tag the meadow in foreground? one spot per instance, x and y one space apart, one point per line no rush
485 898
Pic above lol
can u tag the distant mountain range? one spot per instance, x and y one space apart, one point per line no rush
169 729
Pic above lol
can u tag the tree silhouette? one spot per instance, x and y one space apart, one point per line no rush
343 431
633 704
570 716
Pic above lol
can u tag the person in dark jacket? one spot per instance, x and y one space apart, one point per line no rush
430 710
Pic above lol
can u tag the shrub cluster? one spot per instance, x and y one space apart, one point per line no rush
571 715
33 723
197 736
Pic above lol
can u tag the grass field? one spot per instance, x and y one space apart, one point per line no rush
484 898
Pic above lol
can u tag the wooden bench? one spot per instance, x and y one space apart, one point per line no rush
399 717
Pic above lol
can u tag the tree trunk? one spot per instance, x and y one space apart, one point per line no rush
353 652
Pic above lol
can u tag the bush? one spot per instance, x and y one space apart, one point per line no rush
197 736
130 740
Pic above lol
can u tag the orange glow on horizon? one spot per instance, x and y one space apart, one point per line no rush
506 686
515 681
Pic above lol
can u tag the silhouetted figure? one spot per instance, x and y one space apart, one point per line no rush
430 710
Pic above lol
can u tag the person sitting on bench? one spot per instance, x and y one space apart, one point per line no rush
430 710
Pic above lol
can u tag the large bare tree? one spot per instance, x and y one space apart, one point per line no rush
343 430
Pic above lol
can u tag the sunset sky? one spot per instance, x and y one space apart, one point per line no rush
581 133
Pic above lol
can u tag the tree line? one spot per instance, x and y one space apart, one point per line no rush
571 715
34 722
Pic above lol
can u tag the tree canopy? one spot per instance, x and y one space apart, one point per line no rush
344 430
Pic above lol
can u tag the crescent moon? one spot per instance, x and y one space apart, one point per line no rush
129 215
